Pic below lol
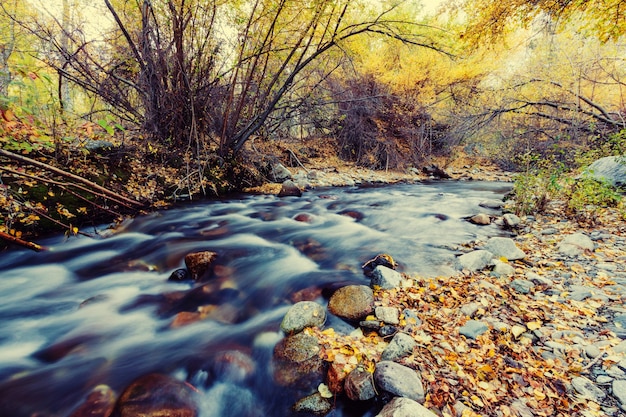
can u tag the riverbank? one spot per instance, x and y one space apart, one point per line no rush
541 336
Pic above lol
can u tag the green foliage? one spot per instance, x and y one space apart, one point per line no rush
587 193
537 184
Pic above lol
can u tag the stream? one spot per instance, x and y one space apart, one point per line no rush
99 310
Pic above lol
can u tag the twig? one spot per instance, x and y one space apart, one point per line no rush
24 243
593 362
115 196
297 160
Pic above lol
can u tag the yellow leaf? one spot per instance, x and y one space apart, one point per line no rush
534 325
324 391
476 400
539 395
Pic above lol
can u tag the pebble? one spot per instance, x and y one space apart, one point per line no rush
473 329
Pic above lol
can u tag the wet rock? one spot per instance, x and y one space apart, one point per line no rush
185 318
588 389
481 219
99 403
522 286
336 375
296 358
475 260
304 218
199 264
473 329
405 407
382 259
179 275
289 189
619 392
389 315
399 380
301 315
400 346
313 404
157 395
504 247
385 278
280 173
492 204
352 302
575 244
433 171
359 385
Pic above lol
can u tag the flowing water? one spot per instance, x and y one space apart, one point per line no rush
99 310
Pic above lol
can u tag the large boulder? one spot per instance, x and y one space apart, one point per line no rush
611 169
504 247
297 360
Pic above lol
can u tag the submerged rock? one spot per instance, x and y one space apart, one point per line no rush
313 404
296 359
157 395
99 403
199 264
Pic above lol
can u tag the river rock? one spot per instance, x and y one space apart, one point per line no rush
389 315
504 247
400 346
522 286
352 302
301 315
575 244
232 366
611 169
385 278
619 392
289 188
313 404
280 173
199 264
359 385
492 204
99 403
405 407
296 358
399 380
480 219
381 259
473 329
178 275
502 269
511 220
588 389
157 395
475 260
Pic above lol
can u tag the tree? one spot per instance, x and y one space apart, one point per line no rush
204 76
